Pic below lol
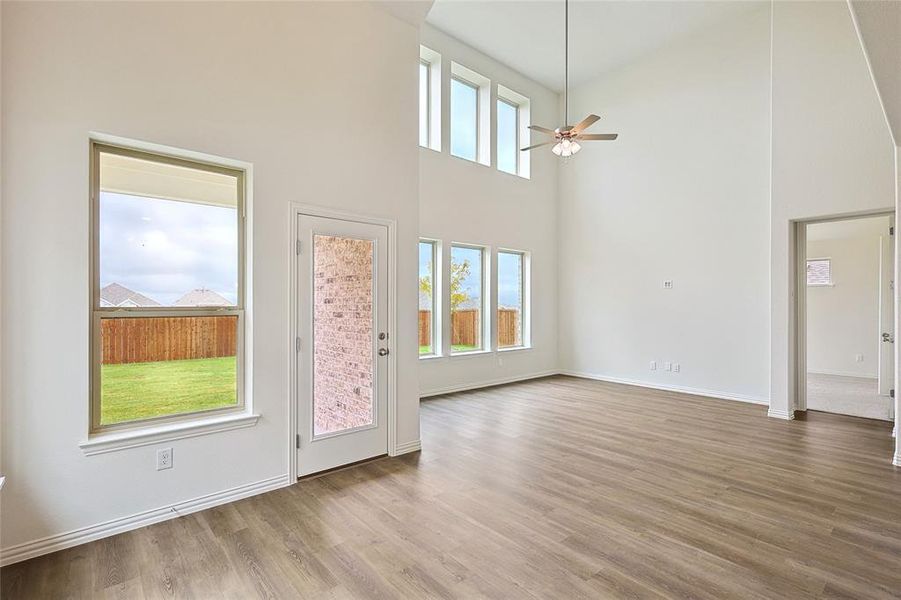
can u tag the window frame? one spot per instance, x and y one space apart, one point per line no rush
828 259
428 103
436 298
478 117
516 146
526 291
485 317
99 312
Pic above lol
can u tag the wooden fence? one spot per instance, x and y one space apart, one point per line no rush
151 339
465 327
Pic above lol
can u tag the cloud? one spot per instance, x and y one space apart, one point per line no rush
165 248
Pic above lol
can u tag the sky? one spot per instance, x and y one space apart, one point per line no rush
464 107
509 272
165 248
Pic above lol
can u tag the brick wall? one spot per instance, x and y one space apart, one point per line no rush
342 305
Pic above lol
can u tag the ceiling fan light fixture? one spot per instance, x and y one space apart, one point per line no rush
565 136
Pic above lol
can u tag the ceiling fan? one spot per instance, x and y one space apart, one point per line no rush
567 137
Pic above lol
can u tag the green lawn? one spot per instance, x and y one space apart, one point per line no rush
142 390
455 348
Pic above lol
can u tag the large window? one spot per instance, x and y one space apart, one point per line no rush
467 298
513 116
424 88
168 296
511 299
428 297
507 136
464 119
429 99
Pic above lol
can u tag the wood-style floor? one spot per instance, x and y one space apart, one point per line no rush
556 488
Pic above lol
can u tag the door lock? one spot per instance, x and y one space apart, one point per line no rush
383 352
887 337
383 335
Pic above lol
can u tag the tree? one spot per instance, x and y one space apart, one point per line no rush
459 273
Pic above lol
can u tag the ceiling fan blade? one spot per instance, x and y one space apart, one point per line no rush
597 136
585 124
537 146
542 129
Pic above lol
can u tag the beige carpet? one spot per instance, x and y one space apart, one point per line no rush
855 396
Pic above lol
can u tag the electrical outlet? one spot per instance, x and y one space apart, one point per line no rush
500 361
676 367
163 459
653 365
667 366
858 358
667 284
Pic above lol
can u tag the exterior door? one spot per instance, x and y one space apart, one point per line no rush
342 347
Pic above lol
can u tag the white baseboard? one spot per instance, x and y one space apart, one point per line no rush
52 543
668 388
483 384
407 447
897 460
780 414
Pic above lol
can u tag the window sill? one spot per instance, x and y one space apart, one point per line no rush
821 284
102 443
514 349
429 356
471 354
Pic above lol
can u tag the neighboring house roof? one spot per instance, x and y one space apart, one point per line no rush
425 301
203 297
119 295
470 304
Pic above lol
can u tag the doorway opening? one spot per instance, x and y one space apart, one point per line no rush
847 315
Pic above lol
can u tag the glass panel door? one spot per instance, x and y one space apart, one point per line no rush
343 347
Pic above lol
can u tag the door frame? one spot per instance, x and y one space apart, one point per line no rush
296 211
798 294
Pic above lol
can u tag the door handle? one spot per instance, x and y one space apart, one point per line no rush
383 352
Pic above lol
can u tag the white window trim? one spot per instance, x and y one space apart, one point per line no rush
526 300
428 104
154 434
130 434
523 117
486 316
436 300
432 59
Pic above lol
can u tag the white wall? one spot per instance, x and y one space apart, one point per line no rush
832 152
320 97
681 195
843 319
464 201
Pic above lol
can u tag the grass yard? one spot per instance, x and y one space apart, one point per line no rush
142 390
455 348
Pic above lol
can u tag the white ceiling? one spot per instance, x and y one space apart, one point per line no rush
527 35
